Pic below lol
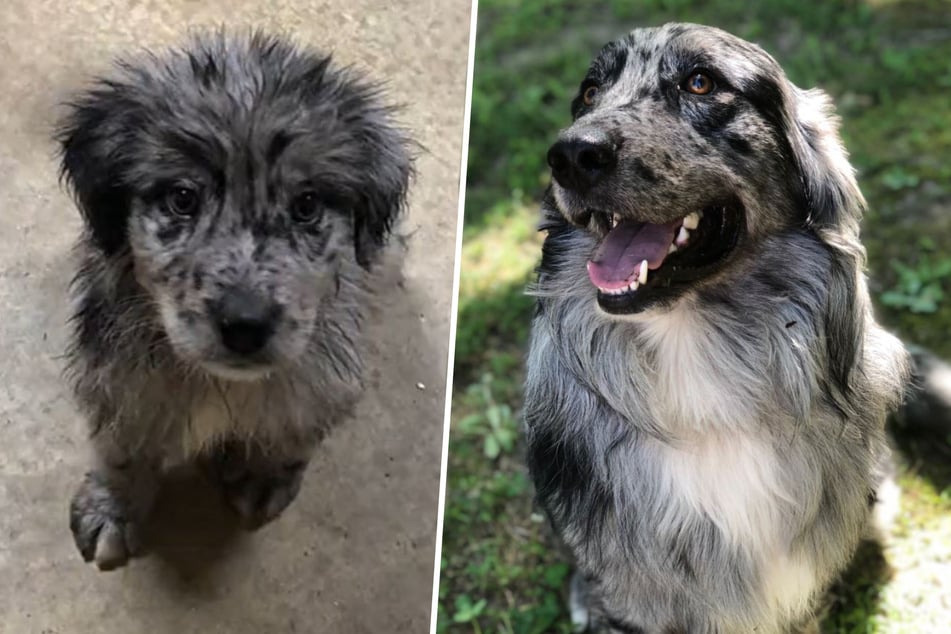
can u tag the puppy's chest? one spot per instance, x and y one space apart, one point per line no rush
234 411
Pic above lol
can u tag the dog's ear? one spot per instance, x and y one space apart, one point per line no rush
843 324
388 174
94 144
832 196
834 206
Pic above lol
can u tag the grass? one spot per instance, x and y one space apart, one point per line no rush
886 64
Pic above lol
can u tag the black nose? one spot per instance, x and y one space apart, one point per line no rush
245 320
578 164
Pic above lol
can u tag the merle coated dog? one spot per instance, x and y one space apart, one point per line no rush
707 388
235 194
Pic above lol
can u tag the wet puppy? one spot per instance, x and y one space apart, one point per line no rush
707 388
235 193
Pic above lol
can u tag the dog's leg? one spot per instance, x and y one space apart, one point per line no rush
258 485
113 500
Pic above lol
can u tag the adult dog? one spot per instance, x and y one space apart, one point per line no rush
235 194
707 388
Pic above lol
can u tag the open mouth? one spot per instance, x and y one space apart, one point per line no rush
639 263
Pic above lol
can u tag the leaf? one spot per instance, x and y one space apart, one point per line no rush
896 179
491 447
894 298
941 269
495 416
556 574
467 611
471 423
923 304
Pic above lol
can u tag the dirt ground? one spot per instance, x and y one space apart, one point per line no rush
355 551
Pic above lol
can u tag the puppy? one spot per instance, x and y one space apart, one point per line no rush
707 388
235 195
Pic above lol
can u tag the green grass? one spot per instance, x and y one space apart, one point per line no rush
886 64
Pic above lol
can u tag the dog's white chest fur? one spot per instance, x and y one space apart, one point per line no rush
732 479
722 466
697 380
228 410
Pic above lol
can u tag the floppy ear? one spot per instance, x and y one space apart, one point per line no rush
94 140
388 176
843 324
834 206
832 194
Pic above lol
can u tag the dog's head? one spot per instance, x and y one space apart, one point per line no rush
688 147
241 176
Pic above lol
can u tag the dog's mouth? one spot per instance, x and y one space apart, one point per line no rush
639 263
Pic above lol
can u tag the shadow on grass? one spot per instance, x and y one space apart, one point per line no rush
927 455
853 601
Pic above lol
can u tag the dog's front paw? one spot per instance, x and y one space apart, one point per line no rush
101 524
257 489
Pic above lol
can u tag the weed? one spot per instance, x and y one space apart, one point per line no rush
919 288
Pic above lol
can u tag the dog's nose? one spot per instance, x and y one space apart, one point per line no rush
245 320
578 164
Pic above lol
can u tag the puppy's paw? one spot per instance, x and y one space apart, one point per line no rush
257 489
101 524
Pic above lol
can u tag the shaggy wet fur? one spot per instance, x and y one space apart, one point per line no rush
236 193
709 457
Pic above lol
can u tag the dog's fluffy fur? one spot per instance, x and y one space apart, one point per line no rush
235 194
709 445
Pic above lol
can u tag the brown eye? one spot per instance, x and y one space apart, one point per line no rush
589 94
182 201
306 208
698 84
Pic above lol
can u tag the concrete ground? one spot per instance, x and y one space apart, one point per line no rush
355 552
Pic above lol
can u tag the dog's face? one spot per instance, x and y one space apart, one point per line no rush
688 147
242 177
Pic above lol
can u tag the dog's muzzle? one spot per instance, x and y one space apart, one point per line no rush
245 320
578 164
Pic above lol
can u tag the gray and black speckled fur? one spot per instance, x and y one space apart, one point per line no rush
710 461
251 125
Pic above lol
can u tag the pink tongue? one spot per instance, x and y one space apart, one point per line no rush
617 261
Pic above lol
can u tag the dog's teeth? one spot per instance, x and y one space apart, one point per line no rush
692 221
614 220
642 274
633 285
682 237
672 248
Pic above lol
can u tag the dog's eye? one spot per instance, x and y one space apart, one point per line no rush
306 208
698 84
182 201
589 94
